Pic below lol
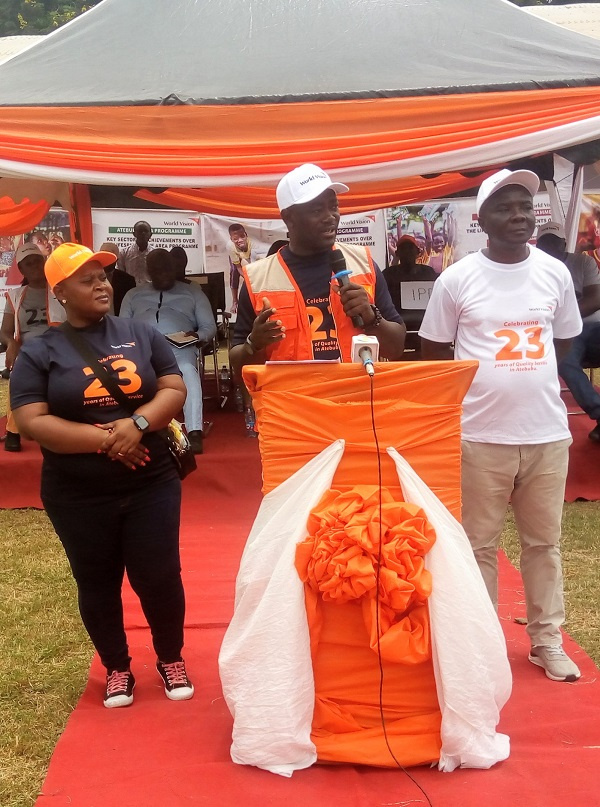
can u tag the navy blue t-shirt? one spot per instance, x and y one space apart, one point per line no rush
50 370
312 274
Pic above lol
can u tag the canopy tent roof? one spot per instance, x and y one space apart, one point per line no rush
584 18
254 51
231 95
11 45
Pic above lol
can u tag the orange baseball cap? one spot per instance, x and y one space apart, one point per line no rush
67 258
409 239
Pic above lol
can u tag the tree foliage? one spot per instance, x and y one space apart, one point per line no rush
44 16
39 16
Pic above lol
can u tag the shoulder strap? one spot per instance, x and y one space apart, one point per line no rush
87 354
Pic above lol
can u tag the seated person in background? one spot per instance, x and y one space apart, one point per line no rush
585 350
30 310
179 259
120 281
171 306
276 246
297 285
405 269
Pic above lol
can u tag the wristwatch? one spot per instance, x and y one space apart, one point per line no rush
250 346
140 423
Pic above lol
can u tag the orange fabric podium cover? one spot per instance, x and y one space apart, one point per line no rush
300 410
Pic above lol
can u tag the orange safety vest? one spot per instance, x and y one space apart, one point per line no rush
271 277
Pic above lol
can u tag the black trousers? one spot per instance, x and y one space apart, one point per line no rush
137 533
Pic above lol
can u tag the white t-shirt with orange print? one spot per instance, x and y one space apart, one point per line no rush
505 316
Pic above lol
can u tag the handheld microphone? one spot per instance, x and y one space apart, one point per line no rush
340 272
365 349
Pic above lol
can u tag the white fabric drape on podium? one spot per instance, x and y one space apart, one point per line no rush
265 661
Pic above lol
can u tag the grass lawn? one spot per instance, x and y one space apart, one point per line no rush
45 652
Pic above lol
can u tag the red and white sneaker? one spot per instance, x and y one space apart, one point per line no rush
178 686
119 689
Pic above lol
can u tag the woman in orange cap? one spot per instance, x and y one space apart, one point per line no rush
109 484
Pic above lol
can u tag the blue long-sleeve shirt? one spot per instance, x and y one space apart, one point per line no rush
184 307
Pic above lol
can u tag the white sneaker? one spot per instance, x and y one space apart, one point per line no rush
556 663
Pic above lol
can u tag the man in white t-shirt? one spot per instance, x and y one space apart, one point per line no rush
513 308
586 347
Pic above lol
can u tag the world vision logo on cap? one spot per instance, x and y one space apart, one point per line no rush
77 254
312 178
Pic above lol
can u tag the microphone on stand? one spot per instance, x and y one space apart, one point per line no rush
340 273
365 350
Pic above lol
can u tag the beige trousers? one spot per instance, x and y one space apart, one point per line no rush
533 478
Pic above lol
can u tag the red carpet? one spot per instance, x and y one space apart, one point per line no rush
20 473
171 754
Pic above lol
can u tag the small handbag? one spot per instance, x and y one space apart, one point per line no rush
174 434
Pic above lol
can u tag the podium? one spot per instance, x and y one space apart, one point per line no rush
302 408
300 663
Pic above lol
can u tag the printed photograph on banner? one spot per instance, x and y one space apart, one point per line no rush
431 224
170 228
52 230
446 230
588 235
231 244
8 247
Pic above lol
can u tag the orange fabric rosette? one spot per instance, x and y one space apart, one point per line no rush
338 564
339 560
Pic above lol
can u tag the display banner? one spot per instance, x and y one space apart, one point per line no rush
366 229
170 228
446 230
233 243
230 244
52 230
588 235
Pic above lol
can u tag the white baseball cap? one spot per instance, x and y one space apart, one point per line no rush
304 184
489 186
28 248
550 228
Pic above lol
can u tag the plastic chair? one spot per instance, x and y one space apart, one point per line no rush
213 285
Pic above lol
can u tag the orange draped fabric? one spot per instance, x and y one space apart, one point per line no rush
301 409
20 217
337 563
347 722
223 141
260 203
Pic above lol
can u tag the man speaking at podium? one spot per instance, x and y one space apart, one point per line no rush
290 308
